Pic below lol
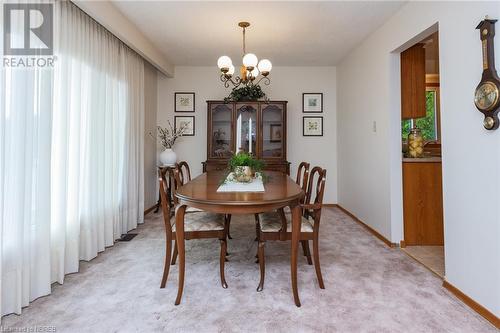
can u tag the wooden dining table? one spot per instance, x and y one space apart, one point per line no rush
280 191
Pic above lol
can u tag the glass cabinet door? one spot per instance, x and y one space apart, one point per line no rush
246 128
221 119
272 131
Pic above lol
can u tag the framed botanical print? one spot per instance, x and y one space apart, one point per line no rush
185 121
184 102
275 134
312 126
312 102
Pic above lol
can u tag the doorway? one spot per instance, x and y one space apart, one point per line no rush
423 228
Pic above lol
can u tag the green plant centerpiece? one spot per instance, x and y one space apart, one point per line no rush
244 166
246 94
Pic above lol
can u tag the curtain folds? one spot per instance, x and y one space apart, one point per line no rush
71 157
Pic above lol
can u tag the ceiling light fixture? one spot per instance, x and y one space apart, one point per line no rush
250 69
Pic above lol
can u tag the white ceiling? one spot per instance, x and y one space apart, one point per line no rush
287 33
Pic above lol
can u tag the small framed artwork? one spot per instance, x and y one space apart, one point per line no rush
184 102
312 102
185 121
275 134
312 126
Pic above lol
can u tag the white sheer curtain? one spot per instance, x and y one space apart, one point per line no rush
71 157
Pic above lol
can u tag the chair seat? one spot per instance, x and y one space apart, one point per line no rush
201 221
271 222
193 210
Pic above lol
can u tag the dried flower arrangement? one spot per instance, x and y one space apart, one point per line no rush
167 136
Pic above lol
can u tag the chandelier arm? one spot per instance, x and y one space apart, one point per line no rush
267 81
224 80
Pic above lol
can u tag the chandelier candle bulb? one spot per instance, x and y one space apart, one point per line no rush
253 73
250 61
265 66
230 72
224 63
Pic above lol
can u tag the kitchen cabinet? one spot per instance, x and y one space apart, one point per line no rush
413 82
423 202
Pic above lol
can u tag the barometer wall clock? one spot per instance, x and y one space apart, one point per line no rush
487 94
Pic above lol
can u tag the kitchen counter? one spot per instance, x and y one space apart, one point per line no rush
429 159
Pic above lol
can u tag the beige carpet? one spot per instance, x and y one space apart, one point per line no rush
369 288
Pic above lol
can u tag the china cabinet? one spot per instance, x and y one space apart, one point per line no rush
258 128
413 82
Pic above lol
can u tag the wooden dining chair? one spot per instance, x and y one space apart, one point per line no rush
197 225
303 175
301 180
278 225
184 171
184 177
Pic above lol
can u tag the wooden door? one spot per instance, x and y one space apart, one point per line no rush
413 82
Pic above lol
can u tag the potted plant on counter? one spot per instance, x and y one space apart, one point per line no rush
244 166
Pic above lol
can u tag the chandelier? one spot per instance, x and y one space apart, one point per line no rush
250 69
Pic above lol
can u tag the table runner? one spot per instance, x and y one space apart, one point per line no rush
256 185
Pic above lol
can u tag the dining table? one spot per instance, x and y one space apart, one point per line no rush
279 191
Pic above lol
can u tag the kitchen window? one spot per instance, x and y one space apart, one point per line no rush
429 125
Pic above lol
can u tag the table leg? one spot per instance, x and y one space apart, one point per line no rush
295 248
179 232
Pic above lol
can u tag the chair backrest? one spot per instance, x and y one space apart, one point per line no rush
303 175
165 207
316 191
185 173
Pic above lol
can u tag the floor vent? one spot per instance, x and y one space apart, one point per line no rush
127 237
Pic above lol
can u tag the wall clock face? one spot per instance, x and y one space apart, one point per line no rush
486 96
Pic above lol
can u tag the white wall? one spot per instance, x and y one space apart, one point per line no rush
288 83
150 111
370 163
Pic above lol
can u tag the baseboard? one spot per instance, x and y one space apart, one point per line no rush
150 209
486 314
367 227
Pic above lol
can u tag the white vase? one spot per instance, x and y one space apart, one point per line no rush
168 157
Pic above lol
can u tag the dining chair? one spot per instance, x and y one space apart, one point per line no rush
303 175
301 180
278 225
184 171
184 177
197 225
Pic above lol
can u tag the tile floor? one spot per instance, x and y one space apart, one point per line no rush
431 257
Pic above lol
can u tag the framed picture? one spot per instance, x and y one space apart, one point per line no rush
312 102
275 134
312 126
187 121
184 102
